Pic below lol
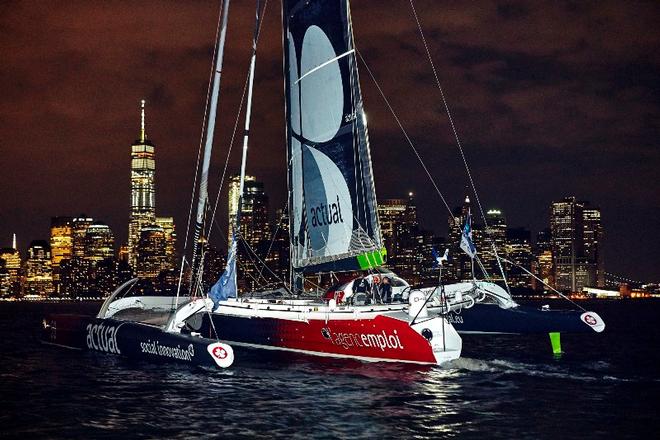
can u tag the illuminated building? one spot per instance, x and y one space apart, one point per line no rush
12 269
61 241
390 213
495 234
576 240
567 243
545 272
38 270
79 232
408 246
519 250
122 254
277 254
543 254
167 223
99 242
151 252
593 236
61 245
143 189
254 230
254 226
5 284
90 269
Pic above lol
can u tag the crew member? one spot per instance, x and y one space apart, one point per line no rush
386 290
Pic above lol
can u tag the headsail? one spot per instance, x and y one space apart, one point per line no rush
332 201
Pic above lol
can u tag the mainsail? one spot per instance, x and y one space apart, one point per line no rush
332 201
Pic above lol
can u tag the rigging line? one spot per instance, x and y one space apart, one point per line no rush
224 170
250 78
405 133
251 251
444 102
233 135
199 152
456 137
240 263
545 284
279 224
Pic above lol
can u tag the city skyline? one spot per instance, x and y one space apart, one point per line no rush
550 101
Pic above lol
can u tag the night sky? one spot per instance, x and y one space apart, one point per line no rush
550 99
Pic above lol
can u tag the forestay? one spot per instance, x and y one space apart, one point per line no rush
332 201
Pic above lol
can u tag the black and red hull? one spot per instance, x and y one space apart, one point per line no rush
381 338
134 340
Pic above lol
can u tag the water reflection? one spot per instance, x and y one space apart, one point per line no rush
503 387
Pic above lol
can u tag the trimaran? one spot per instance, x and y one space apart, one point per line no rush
334 228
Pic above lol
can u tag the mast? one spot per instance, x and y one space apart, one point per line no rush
248 113
226 286
210 130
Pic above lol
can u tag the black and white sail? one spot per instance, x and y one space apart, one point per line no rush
332 200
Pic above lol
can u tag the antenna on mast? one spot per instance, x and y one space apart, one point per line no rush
13 242
143 132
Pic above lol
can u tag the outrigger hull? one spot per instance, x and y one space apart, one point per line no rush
492 319
384 337
134 340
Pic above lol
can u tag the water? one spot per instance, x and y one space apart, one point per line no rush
503 387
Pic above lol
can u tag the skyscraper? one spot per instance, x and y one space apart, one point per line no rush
79 234
143 189
167 223
544 257
12 269
593 236
61 240
254 229
99 242
391 212
277 252
38 270
495 234
567 243
519 250
576 240
151 255
254 226
408 246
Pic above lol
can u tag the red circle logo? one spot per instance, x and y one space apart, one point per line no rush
590 320
219 352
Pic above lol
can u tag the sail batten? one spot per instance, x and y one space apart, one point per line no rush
332 201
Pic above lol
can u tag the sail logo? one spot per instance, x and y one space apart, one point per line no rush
219 352
222 354
589 319
366 340
323 215
102 338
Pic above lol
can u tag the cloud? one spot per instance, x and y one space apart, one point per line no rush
549 98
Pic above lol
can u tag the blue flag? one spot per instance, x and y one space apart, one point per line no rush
439 260
466 238
225 287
